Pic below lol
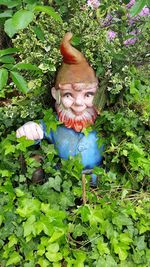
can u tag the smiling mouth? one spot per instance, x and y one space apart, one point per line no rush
78 113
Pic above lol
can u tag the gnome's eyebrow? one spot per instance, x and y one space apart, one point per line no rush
90 92
65 86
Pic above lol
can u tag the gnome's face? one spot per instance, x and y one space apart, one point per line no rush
75 87
74 104
77 97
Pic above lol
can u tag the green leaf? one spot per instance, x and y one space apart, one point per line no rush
19 82
55 183
43 262
6 14
80 258
31 2
3 78
22 18
53 257
26 66
10 3
1 219
140 242
12 241
121 250
85 212
28 226
75 40
48 10
8 66
39 33
8 51
9 28
102 247
53 248
14 258
7 59
137 7
9 148
124 238
56 235
28 207
148 3
121 220
24 143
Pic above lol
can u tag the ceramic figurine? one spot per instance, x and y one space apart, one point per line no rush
75 87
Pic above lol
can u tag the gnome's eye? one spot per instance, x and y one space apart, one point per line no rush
67 95
89 94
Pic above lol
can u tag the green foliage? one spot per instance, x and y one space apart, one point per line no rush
46 224
9 67
24 16
137 7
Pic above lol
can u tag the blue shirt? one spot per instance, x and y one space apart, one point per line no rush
71 143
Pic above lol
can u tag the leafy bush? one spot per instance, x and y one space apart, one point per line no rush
46 224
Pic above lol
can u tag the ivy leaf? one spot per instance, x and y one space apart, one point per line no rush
53 257
84 211
56 235
80 258
12 241
28 226
24 143
14 258
78 230
140 242
124 238
43 262
19 82
55 183
121 251
102 247
121 220
9 148
48 10
3 78
137 7
53 248
22 18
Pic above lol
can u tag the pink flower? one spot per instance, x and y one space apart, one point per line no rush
144 12
130 41
111 35
94 4
130 4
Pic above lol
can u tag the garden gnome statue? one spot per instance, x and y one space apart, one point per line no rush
74 90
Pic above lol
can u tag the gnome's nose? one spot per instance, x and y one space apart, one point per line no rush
78 101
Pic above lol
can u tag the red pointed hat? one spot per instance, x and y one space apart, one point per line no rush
75 68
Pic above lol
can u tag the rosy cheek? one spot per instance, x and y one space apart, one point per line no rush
67 102
89 102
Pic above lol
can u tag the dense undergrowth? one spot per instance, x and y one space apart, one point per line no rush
46 224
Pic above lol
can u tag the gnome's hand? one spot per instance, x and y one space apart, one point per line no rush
31 130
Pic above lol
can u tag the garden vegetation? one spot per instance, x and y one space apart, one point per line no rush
47 224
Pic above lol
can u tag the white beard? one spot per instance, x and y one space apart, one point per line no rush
76 122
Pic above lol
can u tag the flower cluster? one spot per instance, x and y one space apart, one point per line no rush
108 21
111 35
94 4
